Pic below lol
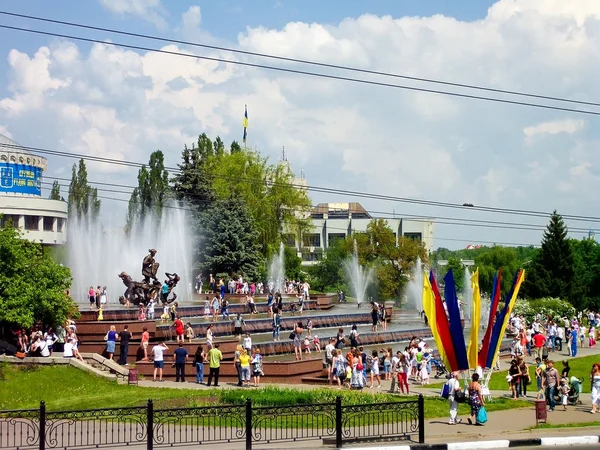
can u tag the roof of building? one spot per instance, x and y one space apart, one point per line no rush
7 143
354 208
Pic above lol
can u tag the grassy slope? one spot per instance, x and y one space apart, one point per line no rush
66 388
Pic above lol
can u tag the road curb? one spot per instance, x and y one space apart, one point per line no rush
500 443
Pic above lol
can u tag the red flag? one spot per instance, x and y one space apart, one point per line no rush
443 326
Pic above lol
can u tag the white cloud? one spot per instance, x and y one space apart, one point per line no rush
148 10
113 102
569 126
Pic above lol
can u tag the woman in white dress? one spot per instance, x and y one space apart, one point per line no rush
595 379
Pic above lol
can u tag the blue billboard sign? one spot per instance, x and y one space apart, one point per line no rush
20 179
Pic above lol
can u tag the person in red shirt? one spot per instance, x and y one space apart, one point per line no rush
178 324
539 340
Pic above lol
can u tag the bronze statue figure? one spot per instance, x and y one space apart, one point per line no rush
150 266
150 288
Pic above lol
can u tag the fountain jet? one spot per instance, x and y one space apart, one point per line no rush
360 278
277 270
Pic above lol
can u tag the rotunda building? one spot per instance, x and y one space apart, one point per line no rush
41 220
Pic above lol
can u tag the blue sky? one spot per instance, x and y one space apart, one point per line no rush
101 100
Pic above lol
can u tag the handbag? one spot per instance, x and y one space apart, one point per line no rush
482 415
20 355
460 396
292 335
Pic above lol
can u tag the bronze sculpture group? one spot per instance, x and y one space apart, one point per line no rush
149 289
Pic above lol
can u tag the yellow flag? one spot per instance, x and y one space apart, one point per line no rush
473 349
429 308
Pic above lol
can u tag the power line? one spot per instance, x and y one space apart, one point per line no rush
304 72
299 61
320 189
411 217
345 229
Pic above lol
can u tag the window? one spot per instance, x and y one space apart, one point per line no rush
339 214
312 256
9 220
414 236
48 223
32 223
332 237
316 216
60 225
311 240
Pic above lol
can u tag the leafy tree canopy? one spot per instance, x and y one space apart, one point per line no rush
83 199
32 286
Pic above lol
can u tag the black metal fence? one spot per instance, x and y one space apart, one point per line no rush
114 427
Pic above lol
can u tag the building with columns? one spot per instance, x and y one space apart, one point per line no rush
331 221
41 220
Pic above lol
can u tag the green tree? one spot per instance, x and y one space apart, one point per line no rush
32 286
458 270
551 271
83 199
585 288
491 260
55 192
328 274
292 263
230 241
151 194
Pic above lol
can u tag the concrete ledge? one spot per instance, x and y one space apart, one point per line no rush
500 443
111 364
49 360
87 368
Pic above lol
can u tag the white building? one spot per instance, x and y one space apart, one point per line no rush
21 203
332 221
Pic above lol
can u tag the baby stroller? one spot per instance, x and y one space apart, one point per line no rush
440 367
576 386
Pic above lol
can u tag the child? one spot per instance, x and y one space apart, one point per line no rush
424 375
141 312
248 343
348 376
564 393
317 344
306 345
375 370
592 334
309 327
257 366
101 316
189 332
206 308
582 335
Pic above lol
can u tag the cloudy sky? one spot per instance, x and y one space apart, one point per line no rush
102 100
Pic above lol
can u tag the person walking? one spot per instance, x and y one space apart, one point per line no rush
550 383
181 357
573 337
214 364
453 388
476 399
595 380
158 354
124 337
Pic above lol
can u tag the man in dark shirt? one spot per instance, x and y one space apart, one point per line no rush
124 338
181 356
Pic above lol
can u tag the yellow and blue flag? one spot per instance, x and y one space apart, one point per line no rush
245 123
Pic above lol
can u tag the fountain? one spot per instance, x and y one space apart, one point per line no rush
277 270
360 278
97 255
414 290
467 295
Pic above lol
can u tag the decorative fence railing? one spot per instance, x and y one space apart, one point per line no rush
115 427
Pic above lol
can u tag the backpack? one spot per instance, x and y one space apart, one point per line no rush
445 391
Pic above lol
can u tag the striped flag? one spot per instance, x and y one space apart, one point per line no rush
245 123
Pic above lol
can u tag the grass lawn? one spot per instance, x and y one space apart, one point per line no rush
67 388
565 425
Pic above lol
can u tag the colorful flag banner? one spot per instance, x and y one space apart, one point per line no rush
473 348
245 123
429 309
443 327
496 292
454 321
502 321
